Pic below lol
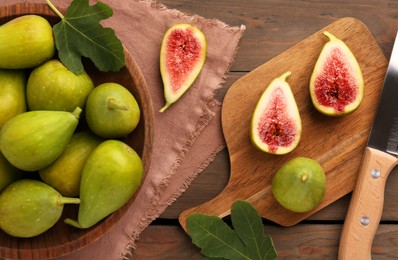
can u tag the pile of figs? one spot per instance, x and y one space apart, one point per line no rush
60 136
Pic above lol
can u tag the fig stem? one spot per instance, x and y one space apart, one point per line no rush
164 108
113 105
285 75
77 112
54 9
73 223
330 36
68 200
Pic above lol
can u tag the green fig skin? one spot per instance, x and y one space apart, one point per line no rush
33 140
29 207
26 42
65 173
12 94
51 86
112 111
111 175
299 185
8 173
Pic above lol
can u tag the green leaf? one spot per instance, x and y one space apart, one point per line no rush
80 34
217 240
249 227
215 237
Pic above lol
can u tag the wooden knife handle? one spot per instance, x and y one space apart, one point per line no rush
366 205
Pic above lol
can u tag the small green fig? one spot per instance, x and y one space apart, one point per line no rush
30 207
26 42
111 175
51 86
65 173
33 140
300 184
12 94
112 111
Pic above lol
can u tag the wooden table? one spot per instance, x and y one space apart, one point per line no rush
273 26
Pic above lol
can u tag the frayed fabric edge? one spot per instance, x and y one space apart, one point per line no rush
152 212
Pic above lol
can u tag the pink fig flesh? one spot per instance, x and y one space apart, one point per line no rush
336 84
182 56
276 122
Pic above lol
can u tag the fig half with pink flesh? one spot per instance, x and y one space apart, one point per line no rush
336 84
182 55
276 123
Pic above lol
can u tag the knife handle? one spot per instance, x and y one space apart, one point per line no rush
366 205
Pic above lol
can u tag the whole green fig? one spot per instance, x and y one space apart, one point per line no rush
110 177
65 173
25 42
112 111
30 207
12 94
51 86
33 140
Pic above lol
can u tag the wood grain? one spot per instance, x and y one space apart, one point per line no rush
304 241
61 238
336 143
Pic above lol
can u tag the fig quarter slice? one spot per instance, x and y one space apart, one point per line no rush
276 123
182 55
336 84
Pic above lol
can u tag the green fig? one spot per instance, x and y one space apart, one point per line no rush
12 94
300 184
276 124
65 173
182 55
33 140
336 84
8 173
51 86
30 207
112 111
26 42
111 175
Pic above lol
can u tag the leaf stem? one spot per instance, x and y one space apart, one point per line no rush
55 9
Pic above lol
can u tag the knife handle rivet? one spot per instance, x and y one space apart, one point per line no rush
375 173
365 220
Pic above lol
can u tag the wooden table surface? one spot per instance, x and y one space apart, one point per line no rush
273 26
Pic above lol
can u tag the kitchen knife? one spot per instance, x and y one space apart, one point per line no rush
378 161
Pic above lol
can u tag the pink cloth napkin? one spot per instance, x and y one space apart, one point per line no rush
187 135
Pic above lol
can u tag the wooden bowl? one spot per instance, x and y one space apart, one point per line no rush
62 239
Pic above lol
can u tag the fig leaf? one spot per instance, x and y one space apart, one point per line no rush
217 240
79 34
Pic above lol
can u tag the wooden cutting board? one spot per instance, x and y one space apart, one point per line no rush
336 143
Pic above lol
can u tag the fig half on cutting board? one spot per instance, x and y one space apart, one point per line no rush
276 123
336 84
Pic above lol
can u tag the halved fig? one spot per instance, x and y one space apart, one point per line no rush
276 123
182 55
336 84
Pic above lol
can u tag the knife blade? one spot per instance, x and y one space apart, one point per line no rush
379 159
